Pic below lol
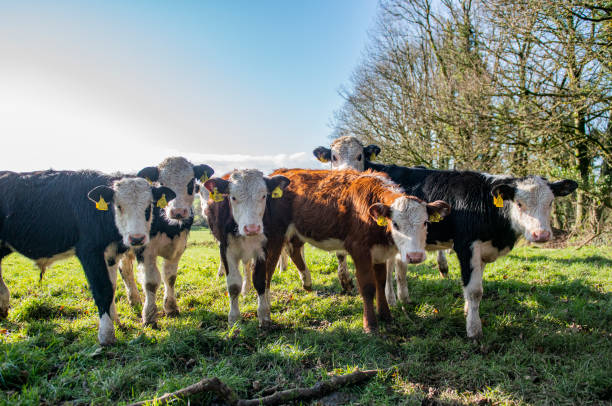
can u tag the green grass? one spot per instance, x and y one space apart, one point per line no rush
547 321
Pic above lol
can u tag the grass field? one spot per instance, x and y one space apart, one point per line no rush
547 322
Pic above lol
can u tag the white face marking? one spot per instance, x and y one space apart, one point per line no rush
347 152
247 198
409 229
530 209
131 200
177 174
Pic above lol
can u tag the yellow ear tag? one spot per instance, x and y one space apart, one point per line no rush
498 201
216 196
277 192
101 204
204 177
149 180
162 202
435 217
382 221
373 156
322 159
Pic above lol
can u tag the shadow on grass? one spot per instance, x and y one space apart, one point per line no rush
591 260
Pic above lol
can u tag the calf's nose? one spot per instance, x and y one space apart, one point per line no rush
415 257
136 239
252 229
540 236
178 214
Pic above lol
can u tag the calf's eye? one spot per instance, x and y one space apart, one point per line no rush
233 199
334 158
395 225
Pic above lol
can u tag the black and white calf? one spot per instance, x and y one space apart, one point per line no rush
239 214
50 215
169 232
348 152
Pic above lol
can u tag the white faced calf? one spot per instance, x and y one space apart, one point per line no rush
236 213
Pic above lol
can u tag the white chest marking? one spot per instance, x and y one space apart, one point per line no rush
246 248
489 253
381 253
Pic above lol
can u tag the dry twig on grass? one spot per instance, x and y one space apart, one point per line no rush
319 390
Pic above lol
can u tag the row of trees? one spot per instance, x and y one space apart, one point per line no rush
521 86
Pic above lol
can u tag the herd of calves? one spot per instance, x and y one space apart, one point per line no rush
383 216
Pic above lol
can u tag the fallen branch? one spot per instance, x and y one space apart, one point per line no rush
205 385
226 393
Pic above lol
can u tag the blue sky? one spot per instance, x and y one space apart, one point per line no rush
120 85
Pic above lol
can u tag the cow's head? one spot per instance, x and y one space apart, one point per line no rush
178 174
132 200
347 152
408 217
247 191
529 202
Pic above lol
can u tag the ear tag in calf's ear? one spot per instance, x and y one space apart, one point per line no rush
435 217
372 156
216 196
498 201
277 192
101 204
149 180
322 159
382 221
204 177
162 202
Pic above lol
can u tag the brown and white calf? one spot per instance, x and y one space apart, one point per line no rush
169 232
363 214
241 213
348 152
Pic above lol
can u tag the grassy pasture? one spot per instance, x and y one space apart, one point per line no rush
547 321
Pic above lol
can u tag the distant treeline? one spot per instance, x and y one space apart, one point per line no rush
518 87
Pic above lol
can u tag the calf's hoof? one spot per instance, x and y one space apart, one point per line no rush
3 313
172 313
307 288
266 324
443 272
347 286
134 300
106 331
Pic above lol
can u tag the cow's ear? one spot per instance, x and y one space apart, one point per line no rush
322 154
101 196
203 172
162 195
276 185
371 152
438 209
503 190
563 187
150 173
380 213
221 185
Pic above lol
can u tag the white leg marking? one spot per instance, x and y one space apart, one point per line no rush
389 290
4 296
283 261
126 266
169 272
247 283
263 309
149 280
234 284
400 276
473 294
106 330
221 271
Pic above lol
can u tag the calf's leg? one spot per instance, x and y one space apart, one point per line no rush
4 291
102 291
296 251
343 274
400 276
442 264
169 272
367 288
234 284
471 273
126 270
380 272
247 283
389 290
149 280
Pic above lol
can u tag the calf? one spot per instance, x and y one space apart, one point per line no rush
490 214
169 232
363 214
241 213
50 215
348 152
